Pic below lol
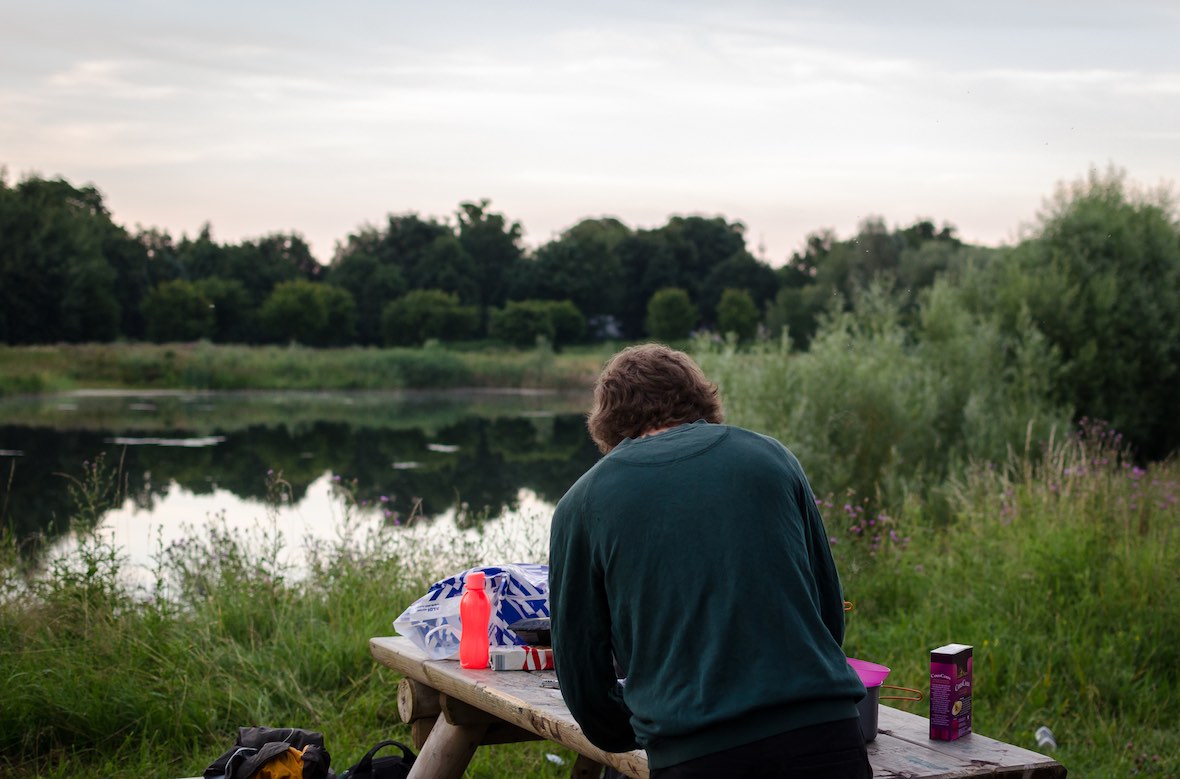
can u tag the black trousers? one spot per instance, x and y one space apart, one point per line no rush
832 750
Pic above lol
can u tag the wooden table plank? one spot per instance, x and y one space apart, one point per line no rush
902 750
514 696
909 734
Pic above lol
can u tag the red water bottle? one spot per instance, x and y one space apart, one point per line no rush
475 610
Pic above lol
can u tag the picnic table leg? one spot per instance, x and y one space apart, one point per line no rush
587 768
447 751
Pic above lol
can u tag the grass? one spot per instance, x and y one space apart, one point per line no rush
1058 566
102 680
203 365
1057 562
1060 569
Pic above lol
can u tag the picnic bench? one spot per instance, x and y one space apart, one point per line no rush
452 711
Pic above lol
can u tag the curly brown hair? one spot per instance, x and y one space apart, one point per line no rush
649 387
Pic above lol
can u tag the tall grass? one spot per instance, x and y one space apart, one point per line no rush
1058 565
102 679
1060 568
887 411
207 366
962 505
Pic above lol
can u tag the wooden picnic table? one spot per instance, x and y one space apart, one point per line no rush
453 710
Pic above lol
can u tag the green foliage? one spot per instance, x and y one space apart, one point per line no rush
671 315
55 281
313 314
426 314
833 272
1056 564
204 365
1098 280
232 313
581 265
493 244
178 311
522 322
685 253
568 323
1101 280
103 678
739 272
737 313
373 286
258 265
885 412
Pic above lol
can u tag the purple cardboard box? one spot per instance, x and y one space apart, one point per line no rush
950 692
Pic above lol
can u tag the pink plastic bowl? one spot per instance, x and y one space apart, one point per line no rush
871 674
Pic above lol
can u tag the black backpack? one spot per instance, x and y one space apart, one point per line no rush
258 745
388 767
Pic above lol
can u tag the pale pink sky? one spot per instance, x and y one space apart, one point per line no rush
790 117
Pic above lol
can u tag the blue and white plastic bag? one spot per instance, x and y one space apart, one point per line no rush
519 591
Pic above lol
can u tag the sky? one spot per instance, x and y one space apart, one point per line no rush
323 117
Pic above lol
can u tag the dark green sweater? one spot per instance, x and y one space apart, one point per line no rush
698 557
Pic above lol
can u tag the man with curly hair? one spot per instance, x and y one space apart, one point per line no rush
696 608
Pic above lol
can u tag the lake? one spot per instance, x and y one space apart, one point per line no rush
471 471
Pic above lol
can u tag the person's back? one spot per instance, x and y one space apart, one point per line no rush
697 557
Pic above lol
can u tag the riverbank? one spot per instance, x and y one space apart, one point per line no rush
1058 568
208 366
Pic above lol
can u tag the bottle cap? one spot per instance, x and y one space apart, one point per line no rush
474 580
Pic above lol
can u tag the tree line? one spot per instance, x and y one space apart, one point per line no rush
69 273
1096 278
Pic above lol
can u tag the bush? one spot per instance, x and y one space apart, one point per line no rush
568 323
1101 281
671 315
522 322
736 313
885 412
177 311
313 314
423 314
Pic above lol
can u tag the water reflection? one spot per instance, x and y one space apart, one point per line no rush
183 460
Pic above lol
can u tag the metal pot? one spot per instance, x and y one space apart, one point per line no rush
868 706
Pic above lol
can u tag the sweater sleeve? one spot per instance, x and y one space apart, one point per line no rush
580 623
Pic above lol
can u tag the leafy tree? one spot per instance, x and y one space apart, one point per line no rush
1101 279
232 313
89 307
581 265
671 315
380 265
423 314
202 257
737 313
494 248
341 311
55 282
141 262
684 253
568 323
740 271
521 322
701 244
258 266
177 311
830 272
649 265
372 285
263 264
446 265
309 313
